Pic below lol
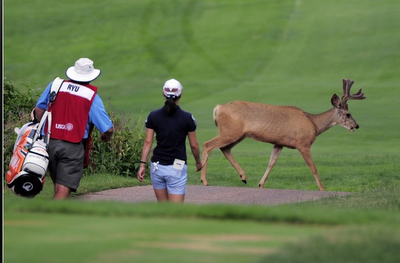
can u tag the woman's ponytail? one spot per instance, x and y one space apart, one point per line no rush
170 106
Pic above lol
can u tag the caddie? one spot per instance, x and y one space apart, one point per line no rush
76 109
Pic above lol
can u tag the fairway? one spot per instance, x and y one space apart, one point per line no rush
281 53
293 52
88 239
114 232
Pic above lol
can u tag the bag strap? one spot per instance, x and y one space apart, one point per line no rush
55 87
39 127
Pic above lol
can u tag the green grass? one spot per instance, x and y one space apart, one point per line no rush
352 245
276 52
140 239
338 172
334 229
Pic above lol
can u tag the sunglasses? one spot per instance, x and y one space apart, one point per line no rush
171 89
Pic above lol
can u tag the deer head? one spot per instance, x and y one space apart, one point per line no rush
343 115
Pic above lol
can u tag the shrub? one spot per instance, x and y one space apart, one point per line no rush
120 156
17 108
16 103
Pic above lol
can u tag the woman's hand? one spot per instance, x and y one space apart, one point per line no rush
198 166
141 173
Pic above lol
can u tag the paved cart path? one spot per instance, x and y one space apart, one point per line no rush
214 195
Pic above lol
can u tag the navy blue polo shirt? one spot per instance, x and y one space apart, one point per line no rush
171 132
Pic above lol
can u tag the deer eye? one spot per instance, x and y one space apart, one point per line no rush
348 115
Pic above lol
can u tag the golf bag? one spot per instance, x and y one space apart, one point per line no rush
28 165
29 162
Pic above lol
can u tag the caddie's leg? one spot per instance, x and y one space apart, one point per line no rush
61 192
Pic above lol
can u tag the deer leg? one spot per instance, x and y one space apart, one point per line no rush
309 161
272 160
228 154
208 146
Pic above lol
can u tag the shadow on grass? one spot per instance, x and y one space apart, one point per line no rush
359 244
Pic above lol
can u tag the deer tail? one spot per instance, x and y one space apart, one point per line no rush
215 117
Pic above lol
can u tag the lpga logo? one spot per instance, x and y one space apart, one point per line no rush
27 186
68 126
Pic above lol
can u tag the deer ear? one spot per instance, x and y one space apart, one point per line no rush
335 101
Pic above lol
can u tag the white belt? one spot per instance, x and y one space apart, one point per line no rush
155 166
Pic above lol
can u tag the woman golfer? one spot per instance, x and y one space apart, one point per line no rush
168 167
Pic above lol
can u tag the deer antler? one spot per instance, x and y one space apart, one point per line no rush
359 95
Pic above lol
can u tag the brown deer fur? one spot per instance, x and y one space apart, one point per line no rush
282 126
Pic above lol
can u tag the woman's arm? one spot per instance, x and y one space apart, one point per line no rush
148 142
194 145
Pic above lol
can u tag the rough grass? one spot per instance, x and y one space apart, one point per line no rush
122 232
358 244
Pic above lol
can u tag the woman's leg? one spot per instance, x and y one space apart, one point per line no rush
161 195
176 198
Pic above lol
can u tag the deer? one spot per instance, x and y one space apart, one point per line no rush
282 126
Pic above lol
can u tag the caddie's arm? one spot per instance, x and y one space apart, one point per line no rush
106 136
37 114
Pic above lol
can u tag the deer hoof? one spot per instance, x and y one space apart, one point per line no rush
205 183
244 181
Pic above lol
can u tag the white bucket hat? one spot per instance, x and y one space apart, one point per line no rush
172 89
83 71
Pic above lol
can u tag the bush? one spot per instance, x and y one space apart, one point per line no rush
17 104
17 108
120 156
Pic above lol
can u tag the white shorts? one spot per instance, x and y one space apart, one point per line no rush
168 177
